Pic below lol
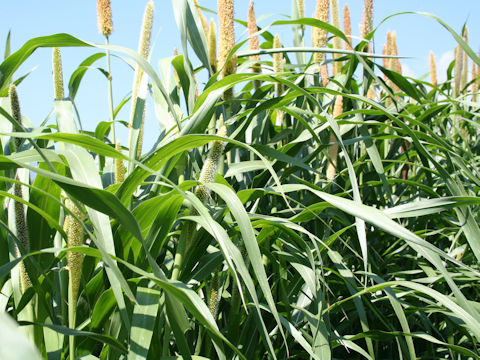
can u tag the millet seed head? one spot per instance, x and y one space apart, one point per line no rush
57 74
226 37
104 17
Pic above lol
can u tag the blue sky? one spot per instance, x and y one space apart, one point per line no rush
416 36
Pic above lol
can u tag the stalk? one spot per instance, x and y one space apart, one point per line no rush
105 26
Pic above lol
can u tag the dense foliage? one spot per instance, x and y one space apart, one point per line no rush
280 214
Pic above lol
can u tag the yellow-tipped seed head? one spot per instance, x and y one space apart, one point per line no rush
433 69
320 36
347 26
277 63
464 79
226 38
210 166
22 234
253 42
16 114
301 8
252 29
475 82
203 19
333 149
337 42
104 17
57 74
140 81
74 230
146 33
458 69
119 168
212 45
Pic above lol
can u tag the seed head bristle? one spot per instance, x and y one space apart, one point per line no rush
57 74
347 26
212 45
433 69
104 17
320 36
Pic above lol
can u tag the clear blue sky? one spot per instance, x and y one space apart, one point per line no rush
416 36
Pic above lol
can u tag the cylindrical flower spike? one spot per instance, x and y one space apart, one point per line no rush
16 114
22 234
214 298
458 70
475 82
210 166
464 79
212 45
104 17
226 38
337 42
253 42
119 167
366 25
252 29
19 209
347 26
74 231
319 36
140 83
301 8
57 74
203 19
333 149
433 70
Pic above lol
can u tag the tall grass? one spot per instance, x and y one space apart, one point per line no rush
281 214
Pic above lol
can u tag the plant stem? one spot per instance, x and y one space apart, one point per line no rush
71 315
110 93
